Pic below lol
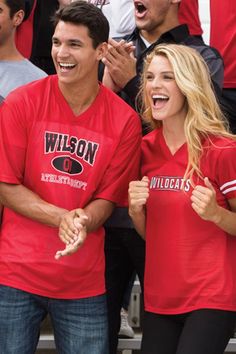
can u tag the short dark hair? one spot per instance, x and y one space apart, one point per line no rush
15 5
82 13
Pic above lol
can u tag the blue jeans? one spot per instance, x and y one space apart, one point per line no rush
80 326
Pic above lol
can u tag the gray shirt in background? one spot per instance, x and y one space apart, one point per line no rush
17 73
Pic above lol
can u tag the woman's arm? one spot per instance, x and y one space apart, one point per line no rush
205 204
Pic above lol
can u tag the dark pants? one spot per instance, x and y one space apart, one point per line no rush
128 292
198 332
125 253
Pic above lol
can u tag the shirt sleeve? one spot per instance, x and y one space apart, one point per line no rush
125 22
124 166
13 140
226 171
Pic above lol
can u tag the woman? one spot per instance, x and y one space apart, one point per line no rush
185 208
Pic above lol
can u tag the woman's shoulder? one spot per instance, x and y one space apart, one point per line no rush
213 142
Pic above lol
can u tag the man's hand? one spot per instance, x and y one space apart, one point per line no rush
120 62
72 223
72 232
72 248
108 82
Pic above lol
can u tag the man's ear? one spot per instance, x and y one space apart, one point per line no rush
102 50
18 18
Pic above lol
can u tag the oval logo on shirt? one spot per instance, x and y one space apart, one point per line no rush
67 165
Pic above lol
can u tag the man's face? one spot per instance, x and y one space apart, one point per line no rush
150 14
73 54
6 23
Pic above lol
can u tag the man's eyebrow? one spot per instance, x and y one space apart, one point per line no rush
71 40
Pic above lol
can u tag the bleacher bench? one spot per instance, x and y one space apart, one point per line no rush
46 341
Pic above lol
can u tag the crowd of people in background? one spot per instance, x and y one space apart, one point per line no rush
60 60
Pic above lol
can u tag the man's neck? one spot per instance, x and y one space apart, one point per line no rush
9 52
79 98
171 21
155 34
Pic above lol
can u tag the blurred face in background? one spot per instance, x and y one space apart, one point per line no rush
150 13
8 24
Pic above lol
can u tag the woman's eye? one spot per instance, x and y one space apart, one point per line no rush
149 77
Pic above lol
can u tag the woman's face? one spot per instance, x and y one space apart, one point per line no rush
164 96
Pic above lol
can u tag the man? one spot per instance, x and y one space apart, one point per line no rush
66 142
24 32
157 21
15 70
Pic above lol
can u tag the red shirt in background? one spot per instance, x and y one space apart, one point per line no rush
223 36
24 35
188 13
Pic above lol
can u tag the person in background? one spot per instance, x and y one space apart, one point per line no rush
122 21
24 32
120 15
223 37
157 21
126 331
185 208
15 70
68 149
42 33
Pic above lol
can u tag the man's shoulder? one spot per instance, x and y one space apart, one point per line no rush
115 101
201 47
118 111
33 90
19 72
132 37
33 69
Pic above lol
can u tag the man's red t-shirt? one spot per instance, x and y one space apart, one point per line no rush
68 161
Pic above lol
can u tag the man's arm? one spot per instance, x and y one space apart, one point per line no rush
25 202
91 217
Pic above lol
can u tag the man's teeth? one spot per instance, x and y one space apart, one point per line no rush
66 65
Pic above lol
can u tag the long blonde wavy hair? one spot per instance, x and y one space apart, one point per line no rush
204 117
